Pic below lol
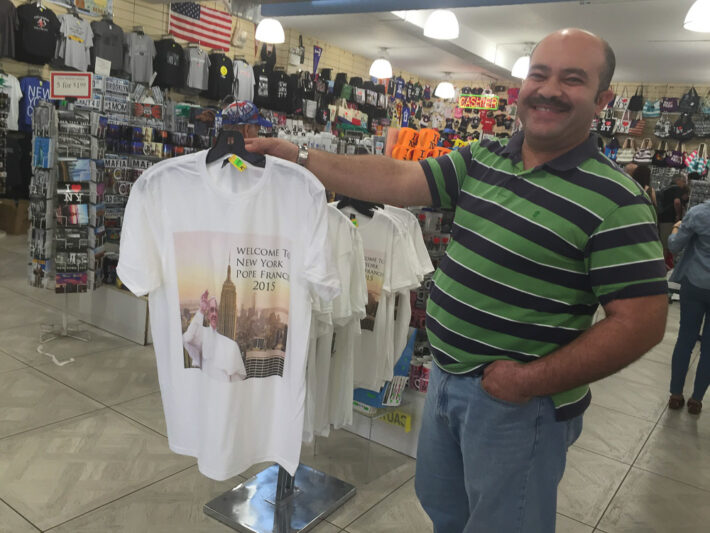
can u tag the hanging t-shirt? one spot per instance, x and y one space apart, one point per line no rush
138 60
278 91
34 90
243 80
405 116
108 43
236 247
221 76
9 23
76 39
399 88
11 87
38 33
261 86
198 68
169 64
487 124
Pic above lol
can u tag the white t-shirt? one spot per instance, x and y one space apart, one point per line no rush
243 80
11 86
241 240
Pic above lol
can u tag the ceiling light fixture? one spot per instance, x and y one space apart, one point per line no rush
381 68
522 64
445 89
698 17
441 24
270 31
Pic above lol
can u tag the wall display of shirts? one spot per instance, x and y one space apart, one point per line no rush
75 42
198 64
10 86
34 90
139 56
247 261
170 64
8 26
37 35
243 80
221 76
108 43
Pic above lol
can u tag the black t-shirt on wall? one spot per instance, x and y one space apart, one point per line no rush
278 91
221 77
261 86
38 33
169 64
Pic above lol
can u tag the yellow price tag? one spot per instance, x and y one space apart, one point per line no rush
75 38
237 163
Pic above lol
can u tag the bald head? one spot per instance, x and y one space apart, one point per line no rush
577 35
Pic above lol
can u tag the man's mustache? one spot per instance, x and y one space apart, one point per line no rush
540 101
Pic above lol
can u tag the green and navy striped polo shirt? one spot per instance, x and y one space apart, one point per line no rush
533 252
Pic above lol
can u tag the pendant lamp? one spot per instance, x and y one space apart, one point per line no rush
381 68
270 31
445 89
698 17
521 67
441 24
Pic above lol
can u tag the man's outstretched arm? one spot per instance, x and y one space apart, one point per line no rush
371 178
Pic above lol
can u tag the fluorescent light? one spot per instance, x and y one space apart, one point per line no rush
441 24
521 67
270 31
698 17
381 68
445 90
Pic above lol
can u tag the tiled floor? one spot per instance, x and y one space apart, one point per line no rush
83 446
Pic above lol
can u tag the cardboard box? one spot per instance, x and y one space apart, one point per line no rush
13 216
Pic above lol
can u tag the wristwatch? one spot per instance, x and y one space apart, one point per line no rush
302 155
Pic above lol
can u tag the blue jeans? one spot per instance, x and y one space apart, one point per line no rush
486 465
694 306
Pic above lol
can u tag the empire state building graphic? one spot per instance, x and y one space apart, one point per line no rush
227 324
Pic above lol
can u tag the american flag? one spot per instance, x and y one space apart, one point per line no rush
199 24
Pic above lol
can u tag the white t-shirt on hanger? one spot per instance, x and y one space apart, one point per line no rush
11 87
253 244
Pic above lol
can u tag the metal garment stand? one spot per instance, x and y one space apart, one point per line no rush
275 502
53 332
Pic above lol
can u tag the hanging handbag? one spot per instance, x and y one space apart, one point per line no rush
705 104
624 125
697 161
652 109
702 126
689 102
636 101
638 125
611 150
607 124
674 158
622 101
595 124
659 157
663 127
669 105
683 129
627 152
644 155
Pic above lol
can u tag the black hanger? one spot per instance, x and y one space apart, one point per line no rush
232 142
364 208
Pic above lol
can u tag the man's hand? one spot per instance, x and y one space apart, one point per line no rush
504 380
204 302
270 146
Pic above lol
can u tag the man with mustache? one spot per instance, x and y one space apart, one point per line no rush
545 229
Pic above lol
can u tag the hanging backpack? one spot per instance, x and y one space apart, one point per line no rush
627 152
652 109
659 157
636 101
674 158
683 129
607 124
622 101
612 149
663 127
624 125
644 155
637 125
689 102
669 105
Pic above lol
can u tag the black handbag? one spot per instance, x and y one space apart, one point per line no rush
683 129
689 102
636 102
659 157
607 124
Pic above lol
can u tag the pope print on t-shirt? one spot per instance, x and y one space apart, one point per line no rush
234 295
374 276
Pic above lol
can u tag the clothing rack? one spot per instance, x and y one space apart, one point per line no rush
51 332
275 502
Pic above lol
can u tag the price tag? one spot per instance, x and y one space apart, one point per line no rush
70 85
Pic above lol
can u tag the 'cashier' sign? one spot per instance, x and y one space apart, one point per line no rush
487 102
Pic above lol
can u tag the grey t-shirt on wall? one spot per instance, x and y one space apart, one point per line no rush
198 70
138 61
8 24
108 43
75 42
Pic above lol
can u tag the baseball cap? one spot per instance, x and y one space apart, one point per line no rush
243 112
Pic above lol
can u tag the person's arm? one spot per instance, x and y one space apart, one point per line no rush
678 208
371 178
681 234
653 197
607 347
